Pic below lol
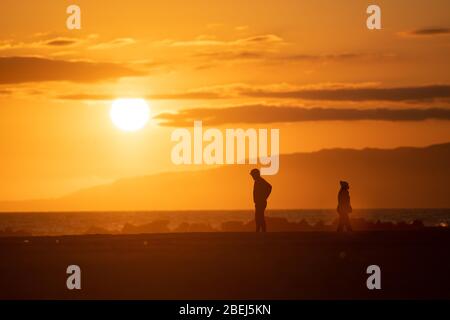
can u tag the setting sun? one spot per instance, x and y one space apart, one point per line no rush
130 114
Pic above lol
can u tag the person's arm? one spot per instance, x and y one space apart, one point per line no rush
350 209
269 189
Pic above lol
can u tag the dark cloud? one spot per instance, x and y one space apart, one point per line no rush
61 42
276 114
343 93
36 69
356 94
428 32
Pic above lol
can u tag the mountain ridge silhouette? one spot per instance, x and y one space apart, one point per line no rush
403 177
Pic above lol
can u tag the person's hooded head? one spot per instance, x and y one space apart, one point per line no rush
255 174
344 185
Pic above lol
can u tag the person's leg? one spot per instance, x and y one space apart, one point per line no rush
347 223
263 223
340 224
263 219
257 219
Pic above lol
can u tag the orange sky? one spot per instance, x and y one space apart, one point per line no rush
56 85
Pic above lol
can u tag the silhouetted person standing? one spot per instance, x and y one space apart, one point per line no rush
344 207
261 191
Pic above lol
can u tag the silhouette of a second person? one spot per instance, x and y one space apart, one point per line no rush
344 207
261 191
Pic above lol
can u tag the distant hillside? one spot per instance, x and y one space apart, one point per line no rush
403 177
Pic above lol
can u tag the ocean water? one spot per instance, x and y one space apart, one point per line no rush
67 223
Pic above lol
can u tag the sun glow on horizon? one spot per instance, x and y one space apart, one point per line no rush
130 114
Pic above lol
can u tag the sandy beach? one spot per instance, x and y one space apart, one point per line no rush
300 265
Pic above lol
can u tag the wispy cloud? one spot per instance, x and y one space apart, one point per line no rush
48 41
52 43
86 97
180 96
115 43
210 41
37 69
277 57
252 114
188 96
352 92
